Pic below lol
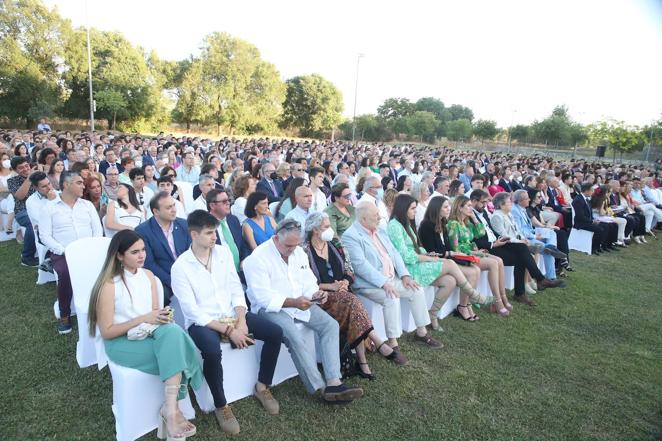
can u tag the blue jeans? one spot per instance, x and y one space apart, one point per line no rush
550 268
29 247
304 357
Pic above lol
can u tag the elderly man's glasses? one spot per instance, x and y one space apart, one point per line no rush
221 201
288 225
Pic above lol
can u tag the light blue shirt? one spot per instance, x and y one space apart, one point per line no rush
190 176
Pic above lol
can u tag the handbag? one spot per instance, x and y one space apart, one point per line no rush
141 332
466 260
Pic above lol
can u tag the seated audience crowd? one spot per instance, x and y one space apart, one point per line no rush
256 238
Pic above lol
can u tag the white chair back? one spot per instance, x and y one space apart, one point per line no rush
185 190
85 259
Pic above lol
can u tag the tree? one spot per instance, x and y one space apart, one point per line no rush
459 129
190 91
432 105
460 112
617 135
485 129
520 132
368 128
31 41
112 101
242 91
313 104
423 125
394 108
118 68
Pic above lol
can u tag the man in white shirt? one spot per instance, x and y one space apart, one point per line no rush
205 183
304 199
143 193
63 221
38 200
205 282
164 183
283 289
441 186
373 192
316 183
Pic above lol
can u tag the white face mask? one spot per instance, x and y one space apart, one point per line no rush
327 235
6 163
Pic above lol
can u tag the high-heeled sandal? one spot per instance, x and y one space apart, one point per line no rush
502 311
162 431
362 374
475 296
471 318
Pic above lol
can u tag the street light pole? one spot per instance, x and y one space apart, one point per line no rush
356 91
89 70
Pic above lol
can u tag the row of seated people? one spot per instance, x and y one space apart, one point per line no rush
382 264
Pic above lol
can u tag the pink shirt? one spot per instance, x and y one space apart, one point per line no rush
170 238
387 265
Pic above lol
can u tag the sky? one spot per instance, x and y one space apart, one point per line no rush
509 61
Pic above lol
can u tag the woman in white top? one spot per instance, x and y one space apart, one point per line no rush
6 173
125 297
242 187
125 213
421 192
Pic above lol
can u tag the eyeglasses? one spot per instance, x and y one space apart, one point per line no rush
288 225
347 196
222 201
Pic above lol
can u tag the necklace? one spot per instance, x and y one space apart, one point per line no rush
319 250
206 265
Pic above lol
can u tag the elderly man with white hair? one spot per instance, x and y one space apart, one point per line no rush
372 193
283 289
381 275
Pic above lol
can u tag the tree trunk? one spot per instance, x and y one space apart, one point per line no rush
29 123
188 126
114 118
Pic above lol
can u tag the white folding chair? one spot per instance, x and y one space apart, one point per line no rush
580 240
510 277
376 314
185 190
85 259
43 277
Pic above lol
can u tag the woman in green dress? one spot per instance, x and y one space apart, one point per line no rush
340 212
463 227
425 268
125 298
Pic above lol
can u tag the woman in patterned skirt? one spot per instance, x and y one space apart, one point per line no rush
329 265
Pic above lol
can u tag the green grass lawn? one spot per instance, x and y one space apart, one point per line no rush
585 364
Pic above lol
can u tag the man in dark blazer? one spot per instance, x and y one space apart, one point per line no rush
218 204
166 237
269 185
604 234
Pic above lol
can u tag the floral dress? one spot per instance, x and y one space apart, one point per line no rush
424 273
461 236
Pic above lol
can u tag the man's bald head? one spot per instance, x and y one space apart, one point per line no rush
304 197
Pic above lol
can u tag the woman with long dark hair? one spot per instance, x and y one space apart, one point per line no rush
124 302
433 233
425 268
124 213
259 225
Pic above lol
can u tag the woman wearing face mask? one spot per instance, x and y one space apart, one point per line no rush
334 276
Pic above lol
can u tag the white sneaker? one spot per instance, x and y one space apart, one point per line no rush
529 289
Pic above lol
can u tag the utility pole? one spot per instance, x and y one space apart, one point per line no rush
89 70
356 92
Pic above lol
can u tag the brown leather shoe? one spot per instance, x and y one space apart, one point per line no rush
268 401
227 420
524 299
398 358
547 283
428 341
